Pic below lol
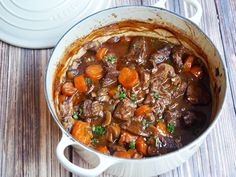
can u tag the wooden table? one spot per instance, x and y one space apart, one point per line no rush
29 135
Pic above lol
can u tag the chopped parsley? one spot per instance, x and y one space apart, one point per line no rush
99 130
94 141
122 95
132 145
133 99
159 120
111 58
170 127
146 124
157 141
156 95
88 80
182 66
75 115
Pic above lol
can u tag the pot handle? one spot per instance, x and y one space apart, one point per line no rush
104 162
196 18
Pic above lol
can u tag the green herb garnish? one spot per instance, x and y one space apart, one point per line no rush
181 66
159 120
122 95
88 80
146 124
156 95
99 130
75 115
133 99
157 141
170 127
94 141
111 58
132 145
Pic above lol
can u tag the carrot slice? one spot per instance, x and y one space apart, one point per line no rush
123 154
80 83
82 132
141 146
103 149
162 129
128 77
143 110
94 72
197 71
112 91
68 89
101 53
188 63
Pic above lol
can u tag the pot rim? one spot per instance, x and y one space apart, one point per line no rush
189 145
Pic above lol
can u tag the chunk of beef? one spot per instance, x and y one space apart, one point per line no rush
92 109
173 117
163 71
145 79
197 94
138 51
68 123
193 118
124 110
152 151
136 128
97 109
92 46
113 40
110 77
102 95
177 57
161 54
169 144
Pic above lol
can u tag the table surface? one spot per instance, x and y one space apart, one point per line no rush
29 135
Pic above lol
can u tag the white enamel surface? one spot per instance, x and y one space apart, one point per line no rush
143 167
196 18
40 24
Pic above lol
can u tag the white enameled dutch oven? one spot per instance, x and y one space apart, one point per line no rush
147 166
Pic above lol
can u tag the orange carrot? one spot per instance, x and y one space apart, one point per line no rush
143 110
123 154
101 53
82 132
128 77
103 149
161 128
80 83
94 71
68 89
112 91
141 146
197 71
188 63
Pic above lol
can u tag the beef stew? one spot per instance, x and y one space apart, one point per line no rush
135 97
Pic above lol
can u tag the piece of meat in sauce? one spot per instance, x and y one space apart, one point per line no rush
124 110
193 118
138 51
92 109
177 57
161 55
110 77
197 94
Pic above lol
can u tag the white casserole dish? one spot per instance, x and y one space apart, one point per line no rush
147 166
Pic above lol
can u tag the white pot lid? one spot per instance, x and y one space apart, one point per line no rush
41 23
